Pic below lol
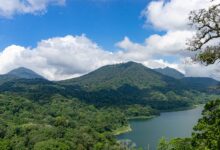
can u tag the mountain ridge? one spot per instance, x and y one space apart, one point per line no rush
113 76
170 72
114 85
24 73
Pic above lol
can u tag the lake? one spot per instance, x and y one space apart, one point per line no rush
168 124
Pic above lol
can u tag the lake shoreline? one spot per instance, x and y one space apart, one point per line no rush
142 117
169 125
182 108
122 130
126 129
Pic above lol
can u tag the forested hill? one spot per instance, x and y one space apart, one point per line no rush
24 73
115 76
200 83
170 72
19 73
86 112
115 85
133 83
139 76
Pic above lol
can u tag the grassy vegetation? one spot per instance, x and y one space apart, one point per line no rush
141 117
122 130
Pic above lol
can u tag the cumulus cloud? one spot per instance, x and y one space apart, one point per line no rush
172 14
172 17
57 58
172 43
8 8
71 56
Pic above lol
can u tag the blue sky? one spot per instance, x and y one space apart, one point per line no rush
61 39
105 22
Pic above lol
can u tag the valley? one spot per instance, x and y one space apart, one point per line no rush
87 112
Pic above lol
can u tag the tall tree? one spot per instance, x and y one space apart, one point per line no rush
206 22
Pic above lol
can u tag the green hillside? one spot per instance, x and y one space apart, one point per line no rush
24 73
86 112
115 76
115 85
19 73
170 72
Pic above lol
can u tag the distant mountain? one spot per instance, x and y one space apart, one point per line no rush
132 83
170 72
19 73
200 83
5 78
115 76
24 73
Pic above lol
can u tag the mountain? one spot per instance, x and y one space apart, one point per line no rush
170 72
195 83
200 83
112 85
114 76
5 78
19 73
24 73
131 83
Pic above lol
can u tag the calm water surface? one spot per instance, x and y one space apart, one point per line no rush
169 125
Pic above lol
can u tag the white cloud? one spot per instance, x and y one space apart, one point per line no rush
57 58
193 69
9 8
70 56
172 14
172 43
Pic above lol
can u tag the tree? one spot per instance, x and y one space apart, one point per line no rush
51 145
163 144
207 25
207 132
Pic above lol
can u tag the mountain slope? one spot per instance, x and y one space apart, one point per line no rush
170 72
24 73
200 83
6 78
113 85
115 76
19 73
133 83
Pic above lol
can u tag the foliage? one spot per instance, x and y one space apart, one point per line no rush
59 124
206 133
175 144
206 23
